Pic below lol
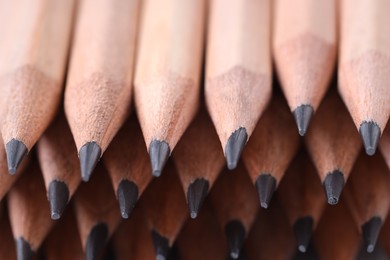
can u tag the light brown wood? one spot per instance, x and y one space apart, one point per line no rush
99 84
33 51
7 243
364 60
198 154
385 145
274 142
333 143
28 208
304 48
238 64
169 56
94 203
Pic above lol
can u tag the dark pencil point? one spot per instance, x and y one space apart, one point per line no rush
96 241
89 156
302 229
235 233
234 147
58 197
196 194
265 185
302 116
370 133
127 197
23 249
16 151
333 185
161 245
371 231
159 153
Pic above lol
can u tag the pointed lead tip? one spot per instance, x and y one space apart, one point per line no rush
16 151
370 133
23 249
89 156
333 185
196 194
302 229
159 153
235 233
58 197
302 116
96 241
161 245
234 147
371 230
127 197
265 185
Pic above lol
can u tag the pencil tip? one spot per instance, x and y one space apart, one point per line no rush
23 249
89 156
159 153
333 185
96 241
265 185
127 197
235 233
161 245
234 147
302 229
16 151
370 133
371 230
58 197
196 194
302 116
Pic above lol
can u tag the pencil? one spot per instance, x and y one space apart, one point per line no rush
199 160
304 49
300 194
385 145
33 57
368 196
364 66
234 201
27 209
57 155
333 145
7 244
164 210
166 86
238 70
127 163
336 236
269 152
99 83
96 213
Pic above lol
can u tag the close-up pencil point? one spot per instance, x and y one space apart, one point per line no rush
159 152
265 185
58 195
161 245
333 185
303 116
371 230
197 192
89 157
16 151
370 133
235 233
234 147
23 249
303 228
127 197
96 240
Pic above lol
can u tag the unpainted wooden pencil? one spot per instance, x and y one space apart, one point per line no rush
199 160
99 83
33 51
127 163
7 243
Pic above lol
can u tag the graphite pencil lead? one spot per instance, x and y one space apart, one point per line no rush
159 153
161 245
234 147
16 151
23 249
370 133
371 230
96 241
265 185
127 197
196 193
302 116
235 233
58 195
89 156
303 229
333 185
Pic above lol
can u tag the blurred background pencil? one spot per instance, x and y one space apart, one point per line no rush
385 145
